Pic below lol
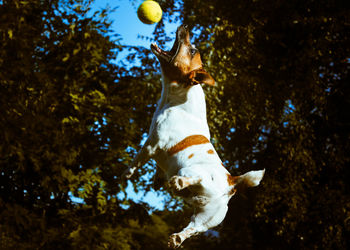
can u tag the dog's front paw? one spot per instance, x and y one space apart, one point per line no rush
128 173
175 240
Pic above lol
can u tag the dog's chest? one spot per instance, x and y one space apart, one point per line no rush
173 124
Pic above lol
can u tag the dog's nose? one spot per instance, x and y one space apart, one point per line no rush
182 33
183 27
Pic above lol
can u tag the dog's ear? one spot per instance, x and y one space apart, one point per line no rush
201 76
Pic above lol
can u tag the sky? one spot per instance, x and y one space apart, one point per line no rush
126 23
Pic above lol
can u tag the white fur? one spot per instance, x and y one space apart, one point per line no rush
181 112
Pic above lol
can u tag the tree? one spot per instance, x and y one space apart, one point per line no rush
282 103
72 121
65 128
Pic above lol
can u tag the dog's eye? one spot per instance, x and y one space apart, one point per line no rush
193 51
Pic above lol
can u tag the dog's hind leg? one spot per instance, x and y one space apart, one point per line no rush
180 182
208 216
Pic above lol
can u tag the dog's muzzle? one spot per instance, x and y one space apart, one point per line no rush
182 35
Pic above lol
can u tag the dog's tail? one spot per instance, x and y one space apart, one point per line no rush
249 179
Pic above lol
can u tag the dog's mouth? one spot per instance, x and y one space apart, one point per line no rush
182 35
163 54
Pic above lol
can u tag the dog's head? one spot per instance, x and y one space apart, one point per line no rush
182 64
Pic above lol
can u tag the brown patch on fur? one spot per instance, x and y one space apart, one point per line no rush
198 76
222 164
232 192
190 156
232 180
188 142
196 62
210 151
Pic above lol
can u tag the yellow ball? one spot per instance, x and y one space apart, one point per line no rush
149 12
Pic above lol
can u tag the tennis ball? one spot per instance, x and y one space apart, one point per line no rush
149 12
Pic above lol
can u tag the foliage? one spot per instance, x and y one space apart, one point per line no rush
282 103
65 128
72 120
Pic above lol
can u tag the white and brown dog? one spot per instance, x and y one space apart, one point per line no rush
179 140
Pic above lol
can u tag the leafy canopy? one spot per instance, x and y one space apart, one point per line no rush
72 120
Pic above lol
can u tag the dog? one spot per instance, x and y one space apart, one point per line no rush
179 140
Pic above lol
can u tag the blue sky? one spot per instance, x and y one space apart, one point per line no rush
126 23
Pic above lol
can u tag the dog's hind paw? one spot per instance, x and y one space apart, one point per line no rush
175 240
180 182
